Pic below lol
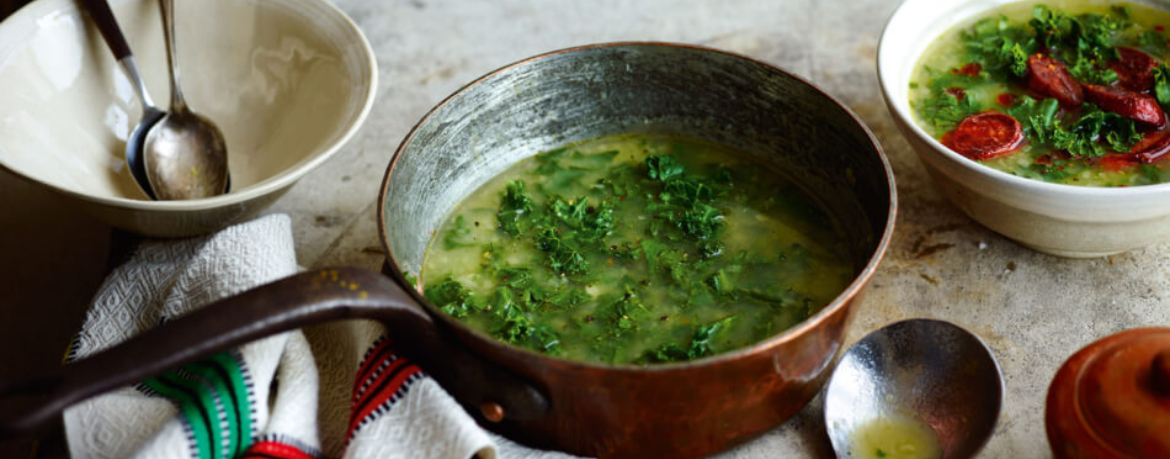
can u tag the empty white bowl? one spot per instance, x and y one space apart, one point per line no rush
288 82
1064 220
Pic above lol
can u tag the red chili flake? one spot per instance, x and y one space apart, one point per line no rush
1006 99
1159 28
971 70
1044 160
959 93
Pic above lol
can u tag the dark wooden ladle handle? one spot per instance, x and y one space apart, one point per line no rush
304 299
103 17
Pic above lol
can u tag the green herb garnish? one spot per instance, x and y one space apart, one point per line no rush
458 236
999 47
514 207
453 298
1083 138
700 344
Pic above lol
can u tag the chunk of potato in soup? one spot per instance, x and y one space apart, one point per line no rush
636 249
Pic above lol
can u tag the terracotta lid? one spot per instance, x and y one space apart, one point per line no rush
1112 398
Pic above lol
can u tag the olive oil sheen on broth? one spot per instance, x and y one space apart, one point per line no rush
636 249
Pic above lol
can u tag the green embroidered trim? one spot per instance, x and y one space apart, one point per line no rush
197 418
213 397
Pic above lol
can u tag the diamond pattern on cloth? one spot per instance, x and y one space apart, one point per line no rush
302 385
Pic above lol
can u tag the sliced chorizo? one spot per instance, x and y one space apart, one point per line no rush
1048 77
1154 146
1118 162
1133 105
1135 69
985 135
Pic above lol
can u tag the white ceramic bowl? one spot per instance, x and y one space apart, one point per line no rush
287 81
1062 220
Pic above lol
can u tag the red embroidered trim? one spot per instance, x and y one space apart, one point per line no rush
384 378
274 450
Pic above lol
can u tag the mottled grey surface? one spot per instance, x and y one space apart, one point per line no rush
1033 310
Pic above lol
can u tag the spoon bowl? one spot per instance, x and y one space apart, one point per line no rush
134 143
185 155
916 378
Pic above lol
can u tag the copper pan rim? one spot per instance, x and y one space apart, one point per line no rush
842 300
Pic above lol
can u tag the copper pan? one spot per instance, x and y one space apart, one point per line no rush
686 409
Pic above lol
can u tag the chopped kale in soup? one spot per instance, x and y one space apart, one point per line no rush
636 249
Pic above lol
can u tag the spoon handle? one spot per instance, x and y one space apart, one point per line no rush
178 104
99 11
103 17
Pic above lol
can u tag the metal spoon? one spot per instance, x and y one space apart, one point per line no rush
185 155
100 12
920 374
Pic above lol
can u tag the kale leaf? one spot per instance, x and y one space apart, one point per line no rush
685 199
944 108
701 341
1084 138
663 168
514 207
514 277
563 258
700 345
1162 84
591 222
1086 36
1084 42
621 313
453 298
458 235
514 326
998 46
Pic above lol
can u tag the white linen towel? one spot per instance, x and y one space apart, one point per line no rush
335 390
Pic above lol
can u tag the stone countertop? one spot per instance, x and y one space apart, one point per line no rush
1033 310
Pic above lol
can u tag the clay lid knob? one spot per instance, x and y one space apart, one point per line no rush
1160 373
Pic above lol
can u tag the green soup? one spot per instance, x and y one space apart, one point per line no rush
1069 92
636 249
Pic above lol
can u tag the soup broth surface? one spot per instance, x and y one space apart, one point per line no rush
636 249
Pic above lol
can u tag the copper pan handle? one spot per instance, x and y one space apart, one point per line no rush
30 405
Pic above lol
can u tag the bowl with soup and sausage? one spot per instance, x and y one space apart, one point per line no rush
1043 120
